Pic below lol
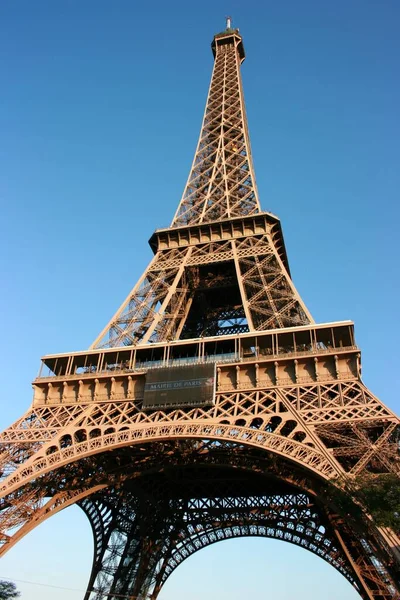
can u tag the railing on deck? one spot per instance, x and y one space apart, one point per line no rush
230 357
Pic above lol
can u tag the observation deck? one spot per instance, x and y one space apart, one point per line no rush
265 359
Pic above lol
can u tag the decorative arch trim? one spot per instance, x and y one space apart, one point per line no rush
310 458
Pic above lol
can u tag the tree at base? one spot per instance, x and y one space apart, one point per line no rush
381 495
8 590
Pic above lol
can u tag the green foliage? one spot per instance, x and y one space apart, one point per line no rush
376 495
381 497
8 590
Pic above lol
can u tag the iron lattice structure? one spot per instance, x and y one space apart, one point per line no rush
277 451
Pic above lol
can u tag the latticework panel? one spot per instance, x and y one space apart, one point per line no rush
221 183
190 524
218 288
271 299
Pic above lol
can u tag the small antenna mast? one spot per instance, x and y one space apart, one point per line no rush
228 22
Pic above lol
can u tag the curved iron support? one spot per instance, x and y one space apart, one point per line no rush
146 527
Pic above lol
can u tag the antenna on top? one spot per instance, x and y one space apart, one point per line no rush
228 22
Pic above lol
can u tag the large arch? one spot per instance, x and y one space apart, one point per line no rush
303 520
94 479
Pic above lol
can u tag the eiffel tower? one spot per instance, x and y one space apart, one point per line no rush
211 406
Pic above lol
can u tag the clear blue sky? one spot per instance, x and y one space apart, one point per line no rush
100 108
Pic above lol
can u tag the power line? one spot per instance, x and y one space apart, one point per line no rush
58 587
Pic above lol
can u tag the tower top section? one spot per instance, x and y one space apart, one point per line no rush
221 184
221 267
229 36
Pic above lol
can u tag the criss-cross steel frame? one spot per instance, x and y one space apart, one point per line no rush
279 451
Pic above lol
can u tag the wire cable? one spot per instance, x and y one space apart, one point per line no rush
58 587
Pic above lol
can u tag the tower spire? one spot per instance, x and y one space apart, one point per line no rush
221 182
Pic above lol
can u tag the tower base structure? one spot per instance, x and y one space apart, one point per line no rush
274 453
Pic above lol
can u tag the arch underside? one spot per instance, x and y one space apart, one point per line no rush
129 561
189 496
152 505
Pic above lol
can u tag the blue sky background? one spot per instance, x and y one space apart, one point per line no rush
100 109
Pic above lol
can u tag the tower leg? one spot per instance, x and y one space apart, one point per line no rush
130 533
375 571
